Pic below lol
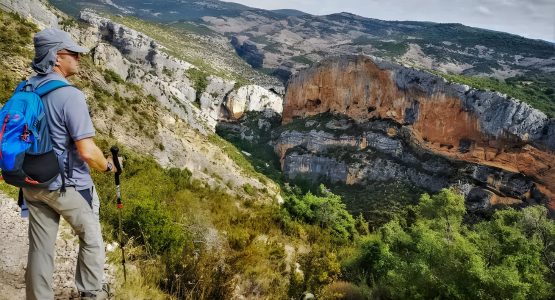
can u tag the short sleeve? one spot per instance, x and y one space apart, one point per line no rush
77 119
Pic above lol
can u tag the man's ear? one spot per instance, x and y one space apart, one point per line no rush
56 63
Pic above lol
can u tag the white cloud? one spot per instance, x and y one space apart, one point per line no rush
483 10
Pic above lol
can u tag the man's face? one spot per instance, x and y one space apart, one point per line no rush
68 62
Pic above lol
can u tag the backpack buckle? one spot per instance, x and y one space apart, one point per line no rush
26 134
27 88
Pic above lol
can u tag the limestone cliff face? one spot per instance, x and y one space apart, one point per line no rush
139 59
35 10
451 120
358 154
252 98
335 149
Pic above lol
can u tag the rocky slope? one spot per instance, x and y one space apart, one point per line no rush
32 9
436 131
141 60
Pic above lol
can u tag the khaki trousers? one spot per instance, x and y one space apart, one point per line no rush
45 209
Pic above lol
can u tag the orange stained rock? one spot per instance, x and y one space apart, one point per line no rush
500 200
361 90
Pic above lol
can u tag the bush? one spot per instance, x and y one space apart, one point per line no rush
320 267
249 189
199 80
111 76
152 224
326 211
342 290
437 256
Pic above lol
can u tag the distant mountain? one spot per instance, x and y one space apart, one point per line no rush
165 10
284 41
452 48
290 12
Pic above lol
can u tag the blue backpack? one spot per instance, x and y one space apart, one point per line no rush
27 158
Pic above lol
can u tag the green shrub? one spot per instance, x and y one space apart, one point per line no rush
111 76
249 189
320 266
199 79
68 23
238 239
327 211
119 110
436 256
151 223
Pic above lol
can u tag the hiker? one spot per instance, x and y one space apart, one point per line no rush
75 199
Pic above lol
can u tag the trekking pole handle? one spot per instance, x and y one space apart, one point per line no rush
115 158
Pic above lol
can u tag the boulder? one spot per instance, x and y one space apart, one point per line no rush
252 98
212 98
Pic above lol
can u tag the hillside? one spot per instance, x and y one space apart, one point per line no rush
281 43
358 178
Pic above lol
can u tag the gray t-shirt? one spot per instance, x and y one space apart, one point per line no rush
69 121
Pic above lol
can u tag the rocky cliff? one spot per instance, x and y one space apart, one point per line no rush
32 9
139 59
483 130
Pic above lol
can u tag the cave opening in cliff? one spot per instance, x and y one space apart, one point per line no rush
313 103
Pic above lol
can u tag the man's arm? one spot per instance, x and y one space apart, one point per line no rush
92 155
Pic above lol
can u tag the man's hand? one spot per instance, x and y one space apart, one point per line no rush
93 156
110 159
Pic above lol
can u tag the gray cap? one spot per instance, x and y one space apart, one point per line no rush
47 43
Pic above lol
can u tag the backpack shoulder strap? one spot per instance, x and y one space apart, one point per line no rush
50 86
20 86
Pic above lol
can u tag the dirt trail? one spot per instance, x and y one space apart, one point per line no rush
13 255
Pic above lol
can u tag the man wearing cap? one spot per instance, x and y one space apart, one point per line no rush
71 129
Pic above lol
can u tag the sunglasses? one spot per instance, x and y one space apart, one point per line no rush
75 55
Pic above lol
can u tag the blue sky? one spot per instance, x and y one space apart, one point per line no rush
532 19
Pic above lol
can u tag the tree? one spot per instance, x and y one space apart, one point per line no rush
327 211
438 256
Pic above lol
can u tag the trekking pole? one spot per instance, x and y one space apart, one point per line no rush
115 158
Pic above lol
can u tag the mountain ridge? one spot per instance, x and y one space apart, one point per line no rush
290 43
